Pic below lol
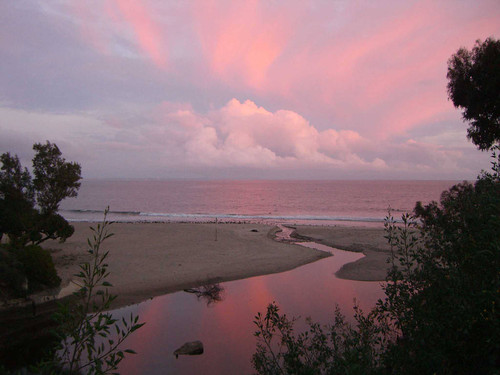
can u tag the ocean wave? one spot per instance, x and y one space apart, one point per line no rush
262 217
160 216
89 211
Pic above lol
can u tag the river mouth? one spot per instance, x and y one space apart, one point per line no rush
221 315
224 321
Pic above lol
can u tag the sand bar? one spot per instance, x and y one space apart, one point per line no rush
151 259
368 240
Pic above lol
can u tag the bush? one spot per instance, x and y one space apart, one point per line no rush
440 313
337 348
89 335
38 267
30 264
12 274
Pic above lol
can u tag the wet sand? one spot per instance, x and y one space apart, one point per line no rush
368 240
151 259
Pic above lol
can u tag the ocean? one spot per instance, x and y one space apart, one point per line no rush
292 202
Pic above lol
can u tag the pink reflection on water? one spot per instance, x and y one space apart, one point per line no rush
226 328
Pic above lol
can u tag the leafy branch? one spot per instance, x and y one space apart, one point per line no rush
89 335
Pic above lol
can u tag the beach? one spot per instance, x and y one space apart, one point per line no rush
151 259
368 240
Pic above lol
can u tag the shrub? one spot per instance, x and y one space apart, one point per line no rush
38 267
440 314
12 276
89 335
337 348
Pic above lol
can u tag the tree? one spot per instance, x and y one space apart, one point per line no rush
443 300
440 312
474 86
28 207
16 197
55 178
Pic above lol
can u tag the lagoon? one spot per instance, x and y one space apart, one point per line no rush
226 328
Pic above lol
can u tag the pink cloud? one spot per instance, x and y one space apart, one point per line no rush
351 65
241 40
104 25
246 135
239 136
149 36
338 83
242 134
340 62
89 28
412 112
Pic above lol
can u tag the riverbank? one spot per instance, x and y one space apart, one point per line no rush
368 240
151 259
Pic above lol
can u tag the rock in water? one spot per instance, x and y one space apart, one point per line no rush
190 348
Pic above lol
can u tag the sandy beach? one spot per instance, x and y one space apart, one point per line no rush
151 259
370 241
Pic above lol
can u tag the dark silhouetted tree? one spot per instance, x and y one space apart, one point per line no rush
440 312
474 86
55 178
16 197
28 207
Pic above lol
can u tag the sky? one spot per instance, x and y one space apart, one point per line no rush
241 89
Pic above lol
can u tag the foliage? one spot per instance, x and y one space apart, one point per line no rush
16 198
14 180
90 336
26 270
440 314
50 226
28 207
55 178
38 268
338 348
453 324
12 275
474 86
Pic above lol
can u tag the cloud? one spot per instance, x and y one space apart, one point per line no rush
148 35
241 40
237 140
124 28
146 88
242 134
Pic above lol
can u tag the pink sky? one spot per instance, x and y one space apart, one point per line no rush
250 89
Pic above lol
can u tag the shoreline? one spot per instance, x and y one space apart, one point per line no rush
93 216
368 240
151 259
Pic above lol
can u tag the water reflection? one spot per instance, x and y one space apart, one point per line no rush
226 328
211 293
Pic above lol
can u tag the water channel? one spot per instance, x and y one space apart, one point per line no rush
226 326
